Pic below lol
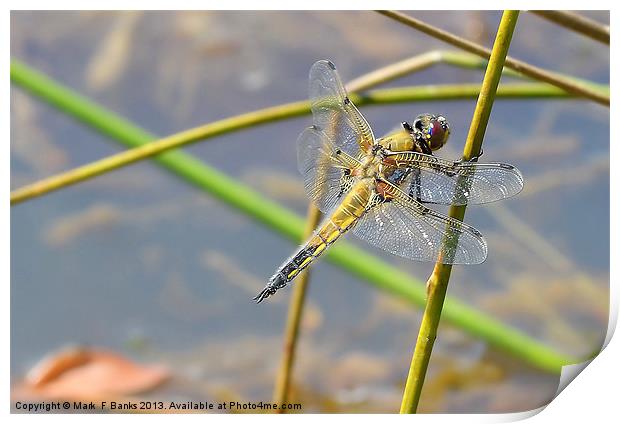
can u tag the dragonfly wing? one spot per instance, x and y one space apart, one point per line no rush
335 114
437 180
405 227
322 168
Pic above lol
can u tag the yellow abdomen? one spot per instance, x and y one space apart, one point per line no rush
341 219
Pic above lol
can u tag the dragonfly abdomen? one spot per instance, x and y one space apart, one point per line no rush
302 258
307 253
342 219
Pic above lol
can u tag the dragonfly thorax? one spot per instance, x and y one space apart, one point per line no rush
399 141
371 165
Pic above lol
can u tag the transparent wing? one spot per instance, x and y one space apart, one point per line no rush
405 227
436 180
334 113
322 168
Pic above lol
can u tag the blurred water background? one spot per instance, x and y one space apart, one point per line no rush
142 263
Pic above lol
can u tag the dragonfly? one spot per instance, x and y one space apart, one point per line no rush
379 188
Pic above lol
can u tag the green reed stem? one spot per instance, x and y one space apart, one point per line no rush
358 262
437 285
571 85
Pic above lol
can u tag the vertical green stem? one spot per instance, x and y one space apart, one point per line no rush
437 284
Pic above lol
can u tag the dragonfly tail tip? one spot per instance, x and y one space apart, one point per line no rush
264 294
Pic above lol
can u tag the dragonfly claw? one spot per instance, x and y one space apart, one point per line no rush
473 159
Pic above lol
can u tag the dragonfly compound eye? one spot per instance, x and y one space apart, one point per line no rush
437 132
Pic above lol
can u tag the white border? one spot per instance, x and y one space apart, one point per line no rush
591 397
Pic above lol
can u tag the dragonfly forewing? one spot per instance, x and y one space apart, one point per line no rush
335 114
436 180
324 168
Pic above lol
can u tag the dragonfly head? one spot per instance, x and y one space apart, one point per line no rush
433 129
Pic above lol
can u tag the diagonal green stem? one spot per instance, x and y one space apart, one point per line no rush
437 285
367 267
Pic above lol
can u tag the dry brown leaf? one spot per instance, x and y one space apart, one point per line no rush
87 374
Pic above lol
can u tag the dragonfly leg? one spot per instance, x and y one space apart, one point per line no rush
415 189
407 127
473 159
